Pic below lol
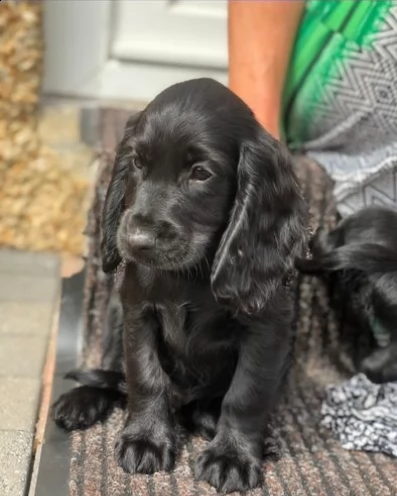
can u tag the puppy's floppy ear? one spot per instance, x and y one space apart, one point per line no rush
114 201
267 227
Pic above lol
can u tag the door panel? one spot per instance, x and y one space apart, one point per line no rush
182 32
129 49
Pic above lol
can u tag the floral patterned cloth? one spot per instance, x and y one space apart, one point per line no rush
363 415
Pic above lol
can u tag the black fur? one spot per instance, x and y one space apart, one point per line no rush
206 212
359 260
83 406
102 390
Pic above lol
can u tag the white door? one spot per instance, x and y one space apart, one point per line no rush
132 49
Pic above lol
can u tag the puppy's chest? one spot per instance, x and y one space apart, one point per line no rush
195 335
194 343
188 327
187 311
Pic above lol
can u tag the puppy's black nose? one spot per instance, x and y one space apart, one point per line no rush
142 240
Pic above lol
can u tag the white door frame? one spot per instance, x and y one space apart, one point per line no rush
78 61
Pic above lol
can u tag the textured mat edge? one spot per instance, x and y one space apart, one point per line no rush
54 464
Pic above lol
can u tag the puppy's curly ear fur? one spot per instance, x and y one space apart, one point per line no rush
267 227
114 201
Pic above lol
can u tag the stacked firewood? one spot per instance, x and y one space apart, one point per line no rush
42 205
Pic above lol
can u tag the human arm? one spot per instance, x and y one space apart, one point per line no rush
261 36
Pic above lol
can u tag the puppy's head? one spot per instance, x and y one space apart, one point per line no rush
197 177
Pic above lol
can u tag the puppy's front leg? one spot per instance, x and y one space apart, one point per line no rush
232 461
147 443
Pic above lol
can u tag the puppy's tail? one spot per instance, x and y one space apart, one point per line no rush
369 258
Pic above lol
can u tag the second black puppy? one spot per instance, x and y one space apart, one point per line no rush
206 213
359 259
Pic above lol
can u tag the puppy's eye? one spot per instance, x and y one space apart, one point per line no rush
136 163
199 174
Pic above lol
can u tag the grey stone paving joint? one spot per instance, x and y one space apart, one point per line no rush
29 285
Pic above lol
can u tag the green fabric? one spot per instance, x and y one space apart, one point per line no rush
327 29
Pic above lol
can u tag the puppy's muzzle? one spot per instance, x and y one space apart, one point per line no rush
142 240
147 240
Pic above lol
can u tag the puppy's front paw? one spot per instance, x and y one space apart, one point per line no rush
228 469
82 407
144 454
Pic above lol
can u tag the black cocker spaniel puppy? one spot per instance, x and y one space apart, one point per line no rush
205 213
358 260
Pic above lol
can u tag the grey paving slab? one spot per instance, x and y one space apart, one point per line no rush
27 263
18 405
22 356
28 288
15 454
25 318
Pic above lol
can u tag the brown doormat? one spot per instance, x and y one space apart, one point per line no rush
312 462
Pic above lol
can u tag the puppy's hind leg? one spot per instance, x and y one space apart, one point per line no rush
201 418
100 392
381 365
82 407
